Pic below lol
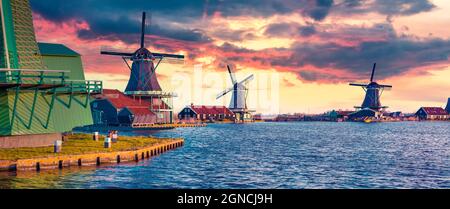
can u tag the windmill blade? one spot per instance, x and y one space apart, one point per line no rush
170 61
248 79
122 54
169 56
143 30
373 72
386 86
233 77
358 84
223 93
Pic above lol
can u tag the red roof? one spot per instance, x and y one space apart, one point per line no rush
211 110
142 115
120 100
434 111
140 111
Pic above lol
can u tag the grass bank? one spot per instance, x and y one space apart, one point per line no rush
78 144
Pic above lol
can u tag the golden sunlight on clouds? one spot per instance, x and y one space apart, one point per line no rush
257 26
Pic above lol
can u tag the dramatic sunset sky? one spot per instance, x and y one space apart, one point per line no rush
313 47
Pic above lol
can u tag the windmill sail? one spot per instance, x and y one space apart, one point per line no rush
143 30
123 54
170 56
248 79
225 92
358 84
386 86
373 72
233 77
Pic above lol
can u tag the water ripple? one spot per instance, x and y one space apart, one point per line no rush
277 155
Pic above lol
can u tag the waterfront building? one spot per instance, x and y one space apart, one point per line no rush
288 117
339 115
409 117
397 114
432 113
447 108
195 113
136 117
266 118
114 108
258 117
42 86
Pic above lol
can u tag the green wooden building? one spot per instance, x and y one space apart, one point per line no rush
42 86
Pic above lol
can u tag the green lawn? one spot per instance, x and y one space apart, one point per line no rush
81 144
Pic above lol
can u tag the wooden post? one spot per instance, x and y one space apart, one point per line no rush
58 146
65 137
114 136
107 142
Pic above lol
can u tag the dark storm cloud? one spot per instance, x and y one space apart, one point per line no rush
118 19
393 56
404 7
233 35
133 36
316 76
110 19
227 47
127 29
320 10
307 30
386 7
281 29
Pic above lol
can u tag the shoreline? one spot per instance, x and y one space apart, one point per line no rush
94 159
93 128
80 150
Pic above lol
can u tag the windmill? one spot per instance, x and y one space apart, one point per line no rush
143 82
143 76
238 103
373 93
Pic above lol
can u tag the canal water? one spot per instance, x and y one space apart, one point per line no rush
276 155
